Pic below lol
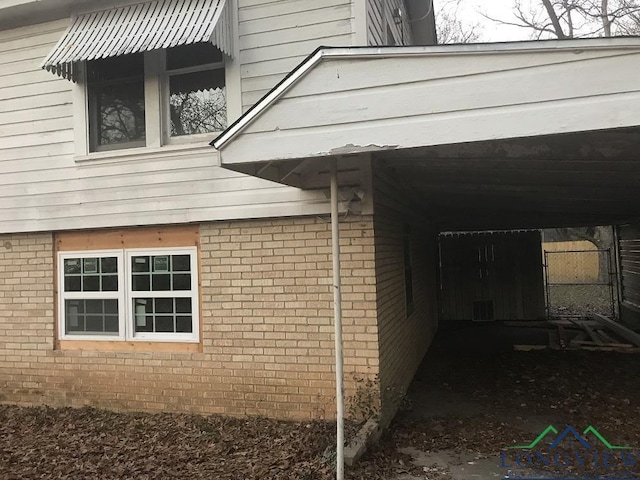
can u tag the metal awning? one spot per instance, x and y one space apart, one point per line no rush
141 27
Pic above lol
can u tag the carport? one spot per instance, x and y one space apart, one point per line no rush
507 136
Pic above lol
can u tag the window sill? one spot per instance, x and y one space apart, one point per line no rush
129 346
140 153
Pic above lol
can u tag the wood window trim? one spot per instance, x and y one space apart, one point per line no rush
128 346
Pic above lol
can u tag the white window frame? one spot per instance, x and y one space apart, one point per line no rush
192 294
125 295
63 296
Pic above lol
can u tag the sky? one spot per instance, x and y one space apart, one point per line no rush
491 32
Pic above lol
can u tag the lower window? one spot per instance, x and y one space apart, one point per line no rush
129 294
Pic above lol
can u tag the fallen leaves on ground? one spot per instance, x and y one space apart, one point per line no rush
575 388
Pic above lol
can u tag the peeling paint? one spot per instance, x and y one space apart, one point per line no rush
350 149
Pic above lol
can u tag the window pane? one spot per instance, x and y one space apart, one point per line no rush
140 264
182 281
90 265
72 284
95 323
94 306
192 55
164 324
161 282
117 113
141 283
109 283
116 100
142 307
181 263
109 265
111 306
197 102
91 283
91 316
145 324
183 305
161 263
111 323
72 265
163 315
164 305
74 318
184 324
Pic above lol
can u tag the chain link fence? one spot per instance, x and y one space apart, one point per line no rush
579 282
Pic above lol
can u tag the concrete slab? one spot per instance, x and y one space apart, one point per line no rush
458 466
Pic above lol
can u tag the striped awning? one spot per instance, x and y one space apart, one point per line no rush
141 27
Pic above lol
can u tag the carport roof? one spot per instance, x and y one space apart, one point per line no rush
503 124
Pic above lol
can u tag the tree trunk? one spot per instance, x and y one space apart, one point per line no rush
606 21
554 19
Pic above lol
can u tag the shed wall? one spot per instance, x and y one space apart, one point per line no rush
492 276
629 269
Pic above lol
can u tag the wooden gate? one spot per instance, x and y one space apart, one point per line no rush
491 276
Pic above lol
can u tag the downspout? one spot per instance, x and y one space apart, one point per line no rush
337 313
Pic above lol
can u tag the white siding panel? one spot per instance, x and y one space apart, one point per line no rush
278 8
435 95
12 120
303 18
449 68
275 36
501 95
43 187
31 31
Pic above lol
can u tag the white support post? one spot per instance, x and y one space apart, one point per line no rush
337 312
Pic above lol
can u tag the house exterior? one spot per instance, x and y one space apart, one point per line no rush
142 268
137 273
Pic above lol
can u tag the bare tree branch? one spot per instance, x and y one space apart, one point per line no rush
575 18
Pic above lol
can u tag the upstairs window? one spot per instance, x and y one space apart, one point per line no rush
166 95
149 73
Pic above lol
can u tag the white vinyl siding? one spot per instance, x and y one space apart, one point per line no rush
45 187
275 36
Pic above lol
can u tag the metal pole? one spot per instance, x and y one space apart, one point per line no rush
337 313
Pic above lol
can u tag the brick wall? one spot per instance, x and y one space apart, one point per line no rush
267 334
26 314
403 337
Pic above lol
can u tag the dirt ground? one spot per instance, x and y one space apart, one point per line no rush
464 407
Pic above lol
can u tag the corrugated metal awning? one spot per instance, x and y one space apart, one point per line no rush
141 27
